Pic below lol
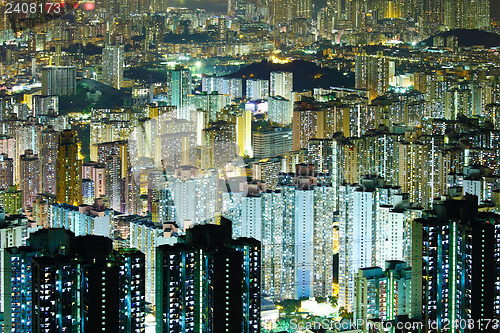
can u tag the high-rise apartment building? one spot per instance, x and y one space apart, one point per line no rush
302 9
194 196
326 157
273 142
8 146
295 225
97 173
178 90
174 149
257 89
458 102
6 171
19 283
280 110
422 168
372 222
48 158
219 145
267 171
45 105
29 183
119 148
280 11
232 87
69 169
13 232
372 74
146 236
213 103
244 133
243 206
209 282
108 125
41 210
281 84
210 84
112 65
78 284
114 184
476 180
413 159
236 8
459 271
433 11
12 200
466 14
27 138
386 294
88 191
322 154
83 220
392 9
305 126
59 80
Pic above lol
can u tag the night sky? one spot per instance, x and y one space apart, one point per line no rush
495 9
221 5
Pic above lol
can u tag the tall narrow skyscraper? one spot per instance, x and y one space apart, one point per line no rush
179 89
48 157
29 182
6 171
244 133
69 169
114 184
372 74
112 65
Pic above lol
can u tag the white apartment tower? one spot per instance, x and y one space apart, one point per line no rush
112 65
281 84
295 225
193 196
373 225
257 89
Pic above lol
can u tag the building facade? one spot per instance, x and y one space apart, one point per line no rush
209 282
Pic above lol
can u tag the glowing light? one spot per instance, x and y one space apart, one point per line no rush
276 60
317 309
393 42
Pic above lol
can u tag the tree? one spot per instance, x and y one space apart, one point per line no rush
345 314
289 305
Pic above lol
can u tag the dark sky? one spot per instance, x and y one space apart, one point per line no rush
221 5
495 9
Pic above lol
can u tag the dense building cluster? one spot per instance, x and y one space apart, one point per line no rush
186 170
